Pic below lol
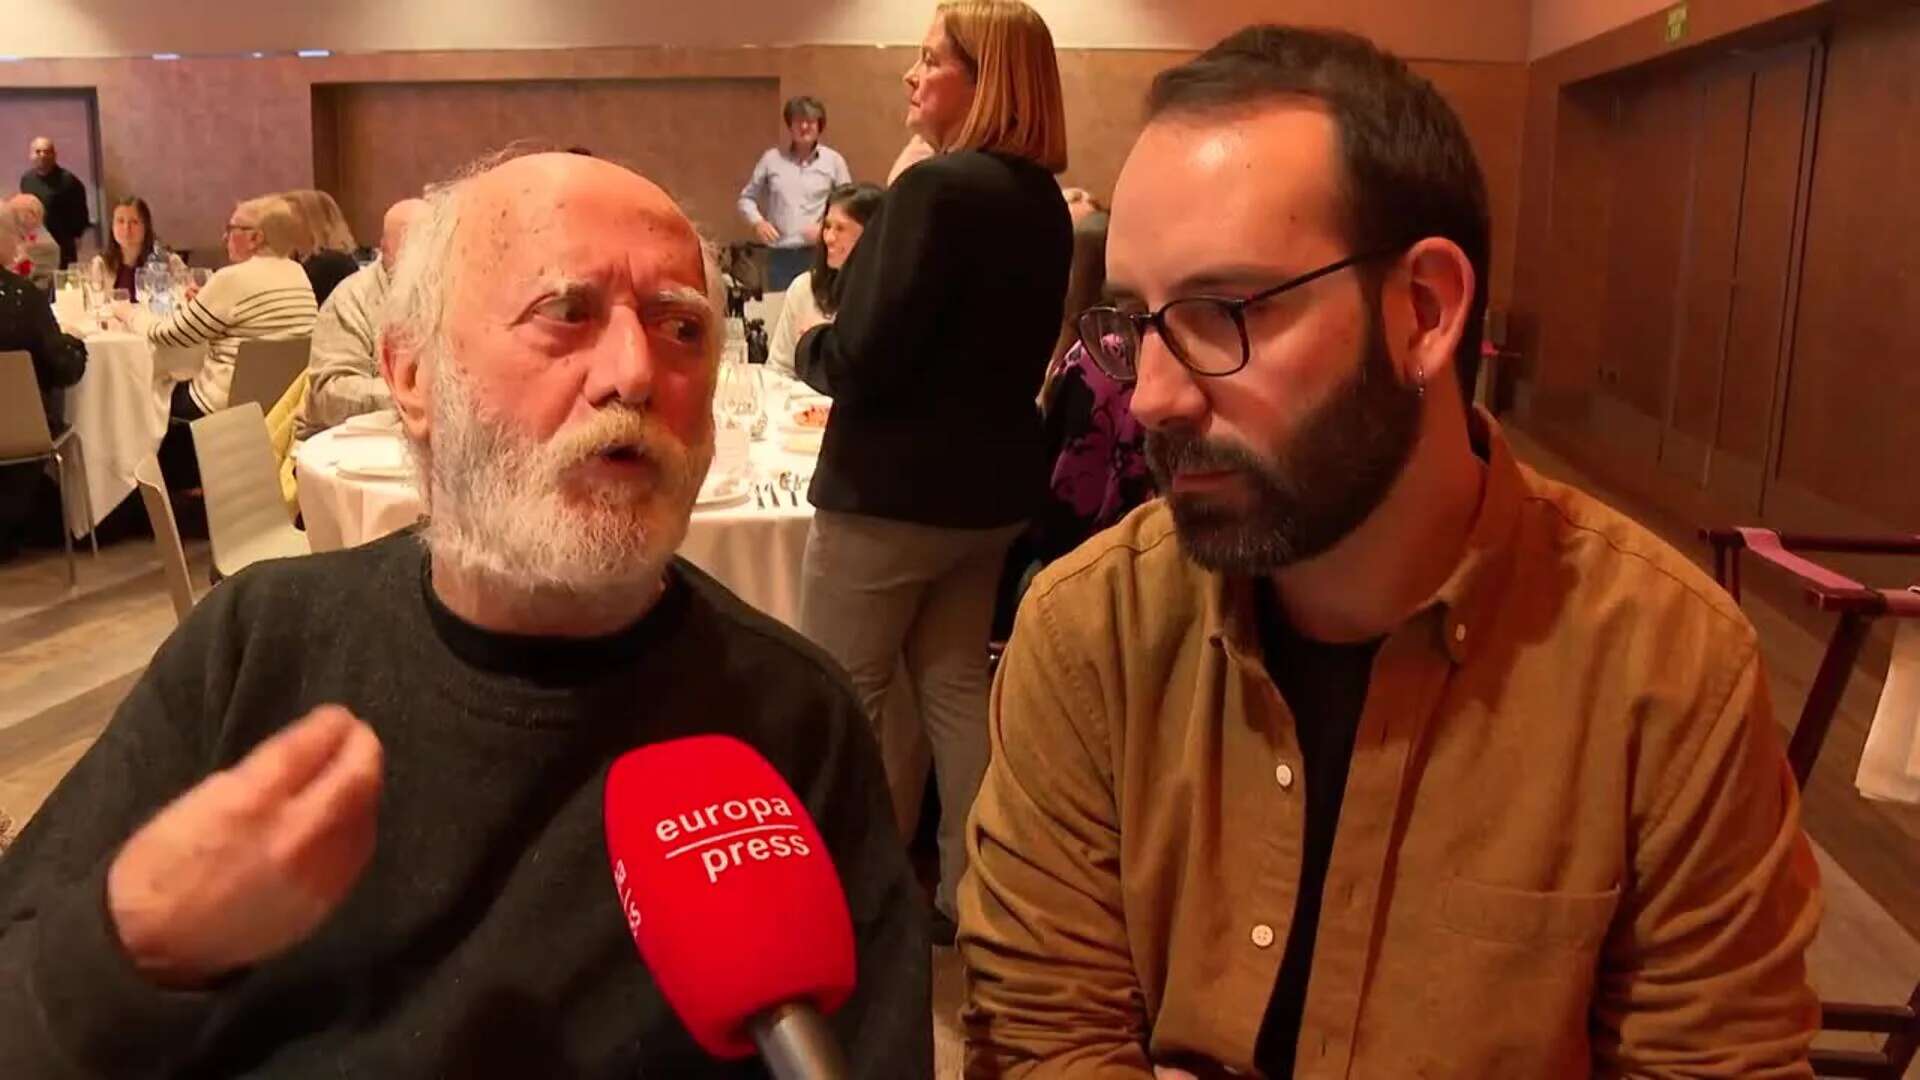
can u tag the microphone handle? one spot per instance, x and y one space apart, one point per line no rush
796 1043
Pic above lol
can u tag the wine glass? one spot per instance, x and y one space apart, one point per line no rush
739 395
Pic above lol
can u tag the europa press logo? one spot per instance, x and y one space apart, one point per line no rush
701 831
727 835
627 906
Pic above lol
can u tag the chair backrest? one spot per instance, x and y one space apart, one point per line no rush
166 534
23 419
242 485
264 368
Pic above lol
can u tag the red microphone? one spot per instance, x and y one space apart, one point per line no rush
733 900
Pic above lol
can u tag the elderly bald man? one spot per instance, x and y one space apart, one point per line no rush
61 193
343 366
348 823
35 245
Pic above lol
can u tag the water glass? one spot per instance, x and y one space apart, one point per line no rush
739 396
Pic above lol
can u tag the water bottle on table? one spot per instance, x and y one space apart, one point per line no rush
157 283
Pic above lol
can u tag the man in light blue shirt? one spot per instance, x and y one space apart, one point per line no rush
788 193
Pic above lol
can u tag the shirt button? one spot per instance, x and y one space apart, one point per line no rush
1262 936
1460 633
1283 774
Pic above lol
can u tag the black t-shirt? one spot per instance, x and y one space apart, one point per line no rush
485 936
1325 687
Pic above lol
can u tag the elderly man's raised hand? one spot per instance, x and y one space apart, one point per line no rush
251 860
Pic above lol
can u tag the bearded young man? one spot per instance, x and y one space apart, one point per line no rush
349 821
1367 752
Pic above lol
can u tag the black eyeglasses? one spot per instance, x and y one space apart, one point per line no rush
1207 334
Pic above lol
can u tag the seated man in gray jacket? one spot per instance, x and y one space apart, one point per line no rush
343 370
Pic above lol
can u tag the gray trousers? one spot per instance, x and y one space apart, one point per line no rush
882 596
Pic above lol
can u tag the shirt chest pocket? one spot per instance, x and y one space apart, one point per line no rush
1510 979
1494 913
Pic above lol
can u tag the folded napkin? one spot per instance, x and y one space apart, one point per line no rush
1890 763
730 457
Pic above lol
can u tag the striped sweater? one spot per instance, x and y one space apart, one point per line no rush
264 297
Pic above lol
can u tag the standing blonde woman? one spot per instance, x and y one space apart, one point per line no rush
933 457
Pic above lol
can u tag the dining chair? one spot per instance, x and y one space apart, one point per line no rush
26 439
166 535
246 519
1857 607
265 367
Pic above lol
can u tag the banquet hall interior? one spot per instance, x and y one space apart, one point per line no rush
1700 311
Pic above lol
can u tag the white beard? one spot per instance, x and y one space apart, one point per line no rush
497 507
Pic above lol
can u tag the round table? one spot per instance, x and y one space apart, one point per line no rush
120 408
351 492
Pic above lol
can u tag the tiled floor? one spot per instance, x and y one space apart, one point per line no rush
67 658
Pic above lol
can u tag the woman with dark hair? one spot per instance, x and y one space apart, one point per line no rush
133 243
812 297
1099 449
933 458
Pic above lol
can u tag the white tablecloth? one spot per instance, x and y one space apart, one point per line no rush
119 407
753 549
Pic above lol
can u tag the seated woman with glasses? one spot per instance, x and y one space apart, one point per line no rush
1099 460
263 293
812 296
133 244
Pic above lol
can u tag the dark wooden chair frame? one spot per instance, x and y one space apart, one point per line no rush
1856 606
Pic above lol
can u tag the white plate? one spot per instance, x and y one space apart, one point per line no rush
384 422
363 435
728 492
789 420
375 470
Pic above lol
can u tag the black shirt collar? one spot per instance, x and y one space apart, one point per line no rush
555 661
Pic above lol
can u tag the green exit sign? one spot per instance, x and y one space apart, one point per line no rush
1676 23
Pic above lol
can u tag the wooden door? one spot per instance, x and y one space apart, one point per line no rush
1744 215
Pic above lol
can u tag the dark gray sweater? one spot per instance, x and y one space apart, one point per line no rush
485 938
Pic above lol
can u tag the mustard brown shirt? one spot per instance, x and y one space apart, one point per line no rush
1569 842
